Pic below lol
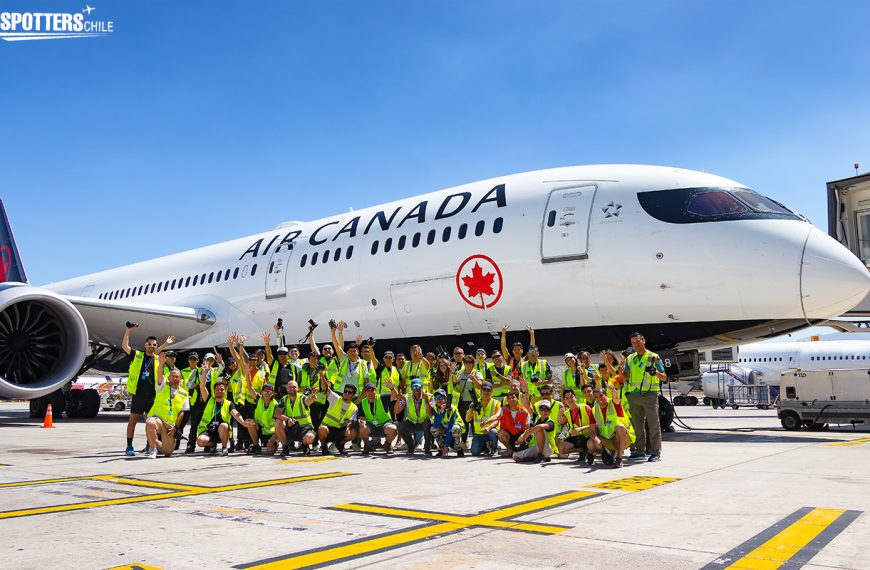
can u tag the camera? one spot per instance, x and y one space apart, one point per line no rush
132 325
370 341
476 406
321 366
280 323
307 392
332 324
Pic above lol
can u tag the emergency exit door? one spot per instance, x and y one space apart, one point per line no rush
565 232
277 274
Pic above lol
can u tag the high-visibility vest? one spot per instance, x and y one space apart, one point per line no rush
357 378
606 425
585 414
593 375
638 378
209 415
334 418
391 374
331 371
134 373
377 417
570 381
191 381
490 409
538 370
297 410
449 414
500 391
416 411
265 416
236 387
258 380
555 410
167 407
419 370
308 379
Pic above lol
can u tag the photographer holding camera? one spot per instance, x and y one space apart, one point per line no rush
215 425
339 422
643 372
351 368
293 418
536 372
281 370
416 418
484 439
447 424
465 383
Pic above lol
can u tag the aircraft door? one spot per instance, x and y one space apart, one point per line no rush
565 231
277 273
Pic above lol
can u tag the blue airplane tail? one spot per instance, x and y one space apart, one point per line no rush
11 268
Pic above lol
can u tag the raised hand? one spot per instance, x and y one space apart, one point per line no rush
530 329
169 340
359 339
505 328
241 339
267 338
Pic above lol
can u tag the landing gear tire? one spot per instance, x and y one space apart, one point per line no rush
693 400
58 403
790 420
74 404
38 406
678 401
666 414
90 403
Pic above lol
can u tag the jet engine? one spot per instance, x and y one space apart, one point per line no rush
43 341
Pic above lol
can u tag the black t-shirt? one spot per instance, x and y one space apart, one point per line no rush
283 374
145 387
536 421
217 411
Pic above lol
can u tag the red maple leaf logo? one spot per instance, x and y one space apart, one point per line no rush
478 283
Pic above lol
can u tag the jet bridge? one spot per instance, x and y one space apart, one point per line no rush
849 223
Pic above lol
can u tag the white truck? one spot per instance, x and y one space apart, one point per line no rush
813 398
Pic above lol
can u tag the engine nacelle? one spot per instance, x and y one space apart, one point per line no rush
43 341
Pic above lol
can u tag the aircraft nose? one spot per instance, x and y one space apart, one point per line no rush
833 280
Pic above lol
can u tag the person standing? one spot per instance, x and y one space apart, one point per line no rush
499 375
141 380
464 383
643 372
536 372
281 370
191 376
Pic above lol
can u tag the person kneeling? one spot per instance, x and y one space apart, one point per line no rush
446 424
293 418
340 419
375 422
167 413
537 436
214 426
577 425
611 436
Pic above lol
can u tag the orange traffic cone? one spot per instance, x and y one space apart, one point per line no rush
49 420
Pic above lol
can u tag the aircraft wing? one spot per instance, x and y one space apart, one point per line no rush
106 319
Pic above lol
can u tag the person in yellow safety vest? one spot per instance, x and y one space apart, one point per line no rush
572 376
234 380
141 379
219 412
447 424
309 379
537 435
352 369
412 406
537 372
484 440
576 421
480 364
191 376
515 355
375 421
612 433
339 423
281 370
498 373
555 412
465 384
263 431
293 418
589 369
166 414
642 373
417 367
386 374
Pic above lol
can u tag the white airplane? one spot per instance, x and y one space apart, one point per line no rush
87 10
763 362
651 250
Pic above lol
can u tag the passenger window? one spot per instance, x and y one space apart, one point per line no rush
202 279
401 244
374 247
187 282
388 245
166 286
337 255
173 285
195 280
227 275
253 270
218 277
445 235
349 252
211 277
303 260
236 273
430 239
463 229
325 257
496 225
314 258
415 241
551 219
479 228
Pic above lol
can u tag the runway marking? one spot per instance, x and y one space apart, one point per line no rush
792 542
176 491
851 442
637 483
135 567
439 524
310 459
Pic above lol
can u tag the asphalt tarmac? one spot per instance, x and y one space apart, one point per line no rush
735 491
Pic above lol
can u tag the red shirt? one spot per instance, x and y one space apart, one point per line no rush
514 425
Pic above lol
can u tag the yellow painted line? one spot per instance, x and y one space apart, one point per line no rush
135 567
144 483
361 548
535 505
776 551
162 496
42 482
632 484
259 484
310 459
851 442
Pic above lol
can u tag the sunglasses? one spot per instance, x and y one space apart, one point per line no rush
487 389
150 344
351 392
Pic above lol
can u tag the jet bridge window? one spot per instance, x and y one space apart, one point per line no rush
696 205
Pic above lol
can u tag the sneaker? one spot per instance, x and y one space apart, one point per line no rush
582 457
211 449
388 449
190 449
354 446
562 455
324 450
366 449
255 450
283 452
306 451
342 451
409 452
153 453
590 458
607 457
460 452
617 462
505 453
545 459
637 455
225 452
130 451
145 450
654 457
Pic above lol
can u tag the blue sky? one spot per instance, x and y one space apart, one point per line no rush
198 122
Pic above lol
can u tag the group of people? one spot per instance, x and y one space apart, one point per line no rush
507 402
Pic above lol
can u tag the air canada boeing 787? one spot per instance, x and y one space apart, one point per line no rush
586 254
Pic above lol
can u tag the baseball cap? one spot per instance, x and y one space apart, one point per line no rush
486 386
440 392
208 355
283 350
544 404
269 387
481 351
231 360
369 385
416 384
193 355
389 353
569 355
171 353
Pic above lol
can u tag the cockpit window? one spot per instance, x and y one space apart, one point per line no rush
695 205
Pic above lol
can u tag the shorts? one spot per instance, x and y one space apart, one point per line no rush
141 403
512 439
336 435
297 432
609 442
578 441
377 431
